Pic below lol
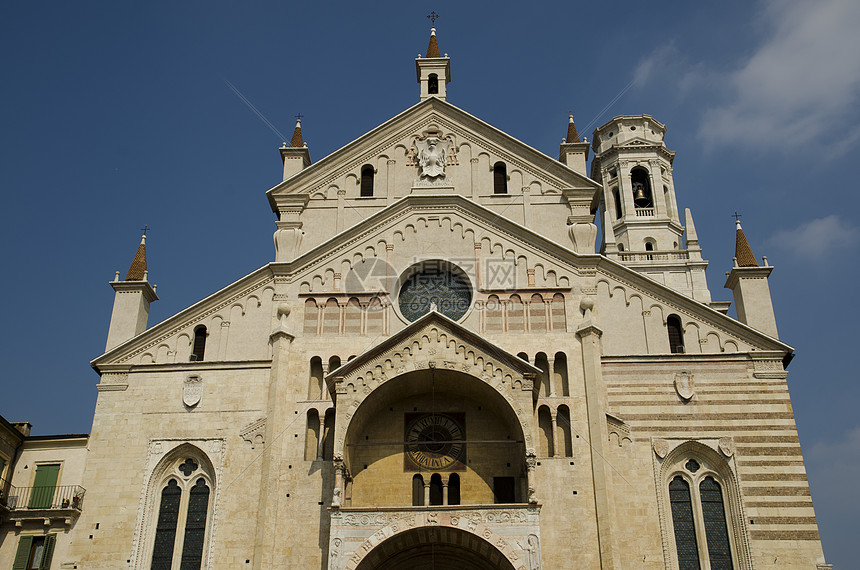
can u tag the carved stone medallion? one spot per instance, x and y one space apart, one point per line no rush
192 391
661 448
727 446
684 385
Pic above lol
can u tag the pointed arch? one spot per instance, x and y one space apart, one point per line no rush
704 520
176 526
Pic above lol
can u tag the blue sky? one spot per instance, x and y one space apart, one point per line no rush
117 115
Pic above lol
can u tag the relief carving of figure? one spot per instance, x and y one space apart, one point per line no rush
432 155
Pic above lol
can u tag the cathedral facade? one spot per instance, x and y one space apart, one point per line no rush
445 366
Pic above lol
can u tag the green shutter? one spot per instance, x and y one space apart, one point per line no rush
44 484
23 554
48 552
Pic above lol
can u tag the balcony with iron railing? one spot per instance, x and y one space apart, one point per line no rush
22 504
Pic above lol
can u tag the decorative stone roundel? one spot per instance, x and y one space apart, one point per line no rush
435 285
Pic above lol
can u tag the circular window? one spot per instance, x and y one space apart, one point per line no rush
435 284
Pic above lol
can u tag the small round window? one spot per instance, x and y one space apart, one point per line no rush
435 284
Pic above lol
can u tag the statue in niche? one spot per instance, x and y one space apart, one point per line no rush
432 156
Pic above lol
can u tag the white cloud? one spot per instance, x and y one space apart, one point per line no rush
816 238
802 82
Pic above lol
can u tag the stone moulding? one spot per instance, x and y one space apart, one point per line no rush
513 530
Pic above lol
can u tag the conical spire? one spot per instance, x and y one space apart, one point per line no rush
433 47
743 251
137 271
572 135
296 141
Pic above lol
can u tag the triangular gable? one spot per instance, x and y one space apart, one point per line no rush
467 346
347 242
359 151
248 294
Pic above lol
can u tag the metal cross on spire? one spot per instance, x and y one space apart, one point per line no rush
433 17
145 229
737 216
299 117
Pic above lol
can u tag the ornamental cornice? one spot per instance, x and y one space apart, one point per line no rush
175 324
714 322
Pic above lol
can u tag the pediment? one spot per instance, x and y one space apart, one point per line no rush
394 139
435 341
450 228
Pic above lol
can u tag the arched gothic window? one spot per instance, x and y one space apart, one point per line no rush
500 178
366 181
676 334
199 347
180 511
706 528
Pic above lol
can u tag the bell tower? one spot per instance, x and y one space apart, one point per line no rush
641 219
434 71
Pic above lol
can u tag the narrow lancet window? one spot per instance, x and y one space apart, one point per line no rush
165 531
195 526
682 522
500 178
676 334
366 181
199 347
716 531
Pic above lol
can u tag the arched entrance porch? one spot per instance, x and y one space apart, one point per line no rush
435 548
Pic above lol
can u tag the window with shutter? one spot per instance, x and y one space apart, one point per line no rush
22 556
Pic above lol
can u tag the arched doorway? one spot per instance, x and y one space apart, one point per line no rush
435 548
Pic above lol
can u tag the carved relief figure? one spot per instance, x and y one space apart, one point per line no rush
432 154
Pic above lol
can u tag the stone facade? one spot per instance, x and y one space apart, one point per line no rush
437 361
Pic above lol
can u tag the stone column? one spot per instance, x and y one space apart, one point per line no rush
474 181
337 494
595 398
445 491
527 207
389 178
341 204
553 415
478 272
427 493
550 365
531 465
222 344
276 413
321 439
